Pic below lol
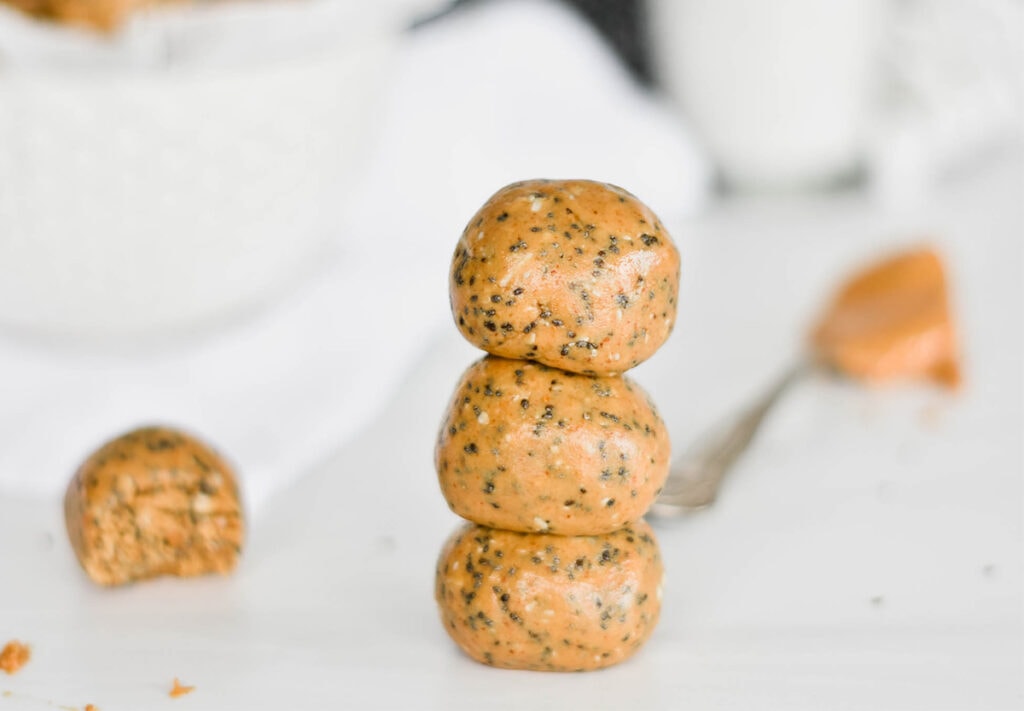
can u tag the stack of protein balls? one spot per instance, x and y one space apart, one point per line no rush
546 448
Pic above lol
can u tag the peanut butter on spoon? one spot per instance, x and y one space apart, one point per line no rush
891 321
888 322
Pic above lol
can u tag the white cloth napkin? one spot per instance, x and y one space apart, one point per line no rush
500 92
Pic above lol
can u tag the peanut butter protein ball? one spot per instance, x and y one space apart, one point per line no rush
530 448
550 603
575 274
153 502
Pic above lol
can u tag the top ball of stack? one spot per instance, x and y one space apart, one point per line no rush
575 274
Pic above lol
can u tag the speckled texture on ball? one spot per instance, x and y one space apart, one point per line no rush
550 603
154 502
575 274
530 448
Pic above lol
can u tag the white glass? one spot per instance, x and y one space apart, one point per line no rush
778 90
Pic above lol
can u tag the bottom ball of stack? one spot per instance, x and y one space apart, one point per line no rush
545 602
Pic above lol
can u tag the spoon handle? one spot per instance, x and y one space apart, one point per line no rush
695 476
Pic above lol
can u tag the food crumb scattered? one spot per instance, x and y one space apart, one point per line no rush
180 689
90 707
14 656
7 694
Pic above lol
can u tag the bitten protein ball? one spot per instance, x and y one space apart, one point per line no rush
575 274
551 603
530 448
154 502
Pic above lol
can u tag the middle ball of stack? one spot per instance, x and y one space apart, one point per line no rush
525 447
566 284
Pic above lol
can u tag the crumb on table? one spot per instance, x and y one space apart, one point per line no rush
90 707
179 689
14 656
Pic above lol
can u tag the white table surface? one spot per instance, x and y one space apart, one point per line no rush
866 554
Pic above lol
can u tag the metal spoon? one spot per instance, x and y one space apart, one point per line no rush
696 475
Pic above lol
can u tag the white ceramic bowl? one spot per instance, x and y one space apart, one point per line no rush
184 169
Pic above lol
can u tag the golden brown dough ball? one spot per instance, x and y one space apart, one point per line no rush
154 502
94 14
526 447
551 603
576 274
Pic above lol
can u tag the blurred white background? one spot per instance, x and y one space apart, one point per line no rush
237 217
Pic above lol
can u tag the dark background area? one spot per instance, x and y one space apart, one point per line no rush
622 23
